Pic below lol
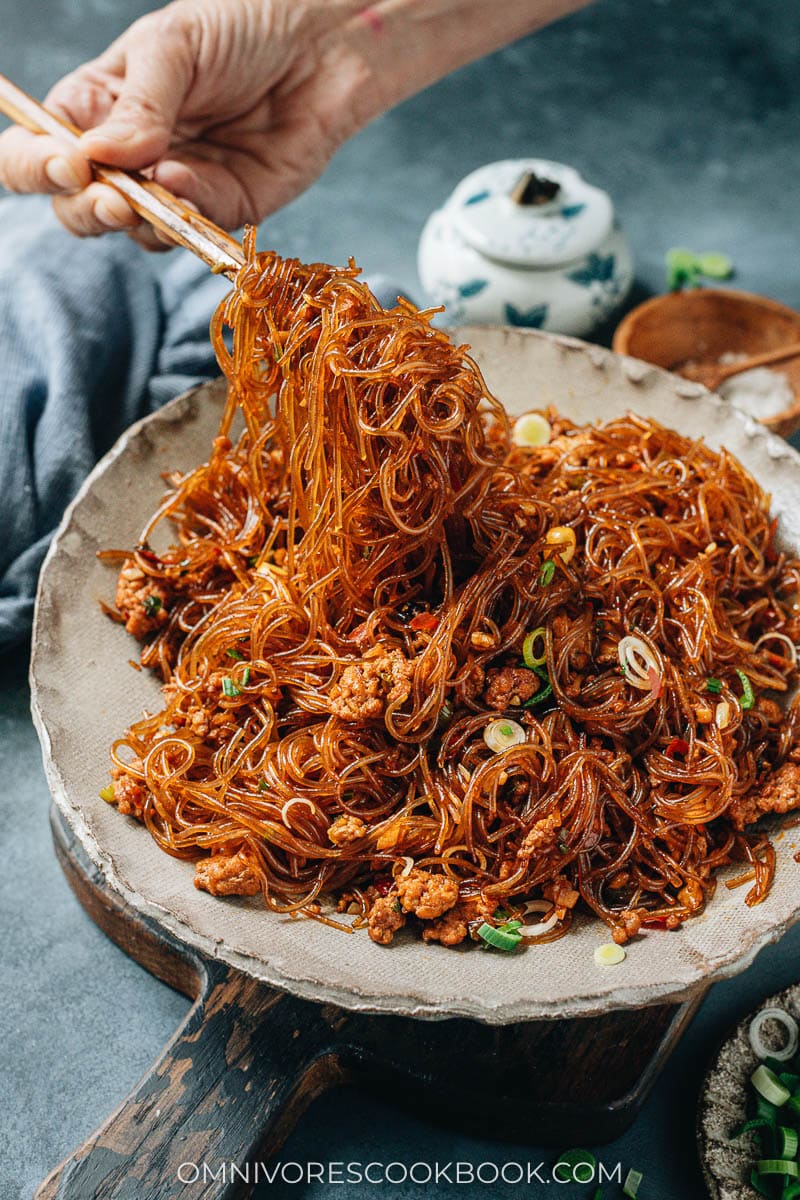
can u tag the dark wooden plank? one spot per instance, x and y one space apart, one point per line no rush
249 1059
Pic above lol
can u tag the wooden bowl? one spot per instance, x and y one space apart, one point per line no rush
702 324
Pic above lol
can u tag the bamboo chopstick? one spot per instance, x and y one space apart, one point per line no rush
151 201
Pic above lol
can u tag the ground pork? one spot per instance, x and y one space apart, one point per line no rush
541 837
562 894
129 793
509 686
453 926
627 926
227 875
366 687
426 895
142 601
346 829
779 793
385 918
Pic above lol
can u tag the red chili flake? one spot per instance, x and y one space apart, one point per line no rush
654 923
383 884
147 554
678 745
770 554
424 622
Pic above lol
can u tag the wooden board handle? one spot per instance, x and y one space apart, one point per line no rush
226 1090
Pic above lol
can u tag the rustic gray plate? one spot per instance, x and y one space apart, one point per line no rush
723 1107
84 695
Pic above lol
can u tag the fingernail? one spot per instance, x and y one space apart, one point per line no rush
109 217
117 131
61 172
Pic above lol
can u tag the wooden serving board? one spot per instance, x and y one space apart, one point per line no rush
248 1060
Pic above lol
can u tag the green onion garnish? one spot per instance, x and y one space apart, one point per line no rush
547 572
229 688
245 676
262 785
504 938
152 604
445 715
748 699
714 685
546 691
237 654
787 1142
107 793
768 1085
630 1187
778 1166
529 657
575 1159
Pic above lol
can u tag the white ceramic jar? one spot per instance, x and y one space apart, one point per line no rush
526 242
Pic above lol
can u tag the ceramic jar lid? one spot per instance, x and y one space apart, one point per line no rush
530 212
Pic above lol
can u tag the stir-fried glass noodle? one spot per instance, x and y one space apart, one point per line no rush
435 675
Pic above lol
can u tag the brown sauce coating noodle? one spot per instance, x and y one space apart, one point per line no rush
347 568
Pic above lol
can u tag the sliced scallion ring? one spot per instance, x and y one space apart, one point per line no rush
543 927
529 655
760 1048
788 1140
501 939
532 429
609 954
503 734
630 1187
768 1085
637 661
778 1166
747 699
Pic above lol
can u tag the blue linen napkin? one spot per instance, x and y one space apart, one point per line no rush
93 335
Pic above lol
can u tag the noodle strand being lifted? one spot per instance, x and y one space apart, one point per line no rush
427 672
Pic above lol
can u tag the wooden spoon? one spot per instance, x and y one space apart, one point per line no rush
711 375
154 203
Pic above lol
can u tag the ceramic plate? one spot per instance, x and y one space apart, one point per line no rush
85 694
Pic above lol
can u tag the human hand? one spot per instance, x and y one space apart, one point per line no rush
239 105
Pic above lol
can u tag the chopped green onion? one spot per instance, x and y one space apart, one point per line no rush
714 685
532 429
502 938
788 1079
245 676
229 688
748 698
445 715
574 1160
778 1166
715 265
547 572
752 1125
793 1104
152 604
768 1085
107 793
237 654
630 1187
791 1191
501 735
531 659
546 691
787 1142
262 785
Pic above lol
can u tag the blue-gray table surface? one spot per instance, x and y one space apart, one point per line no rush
689 115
